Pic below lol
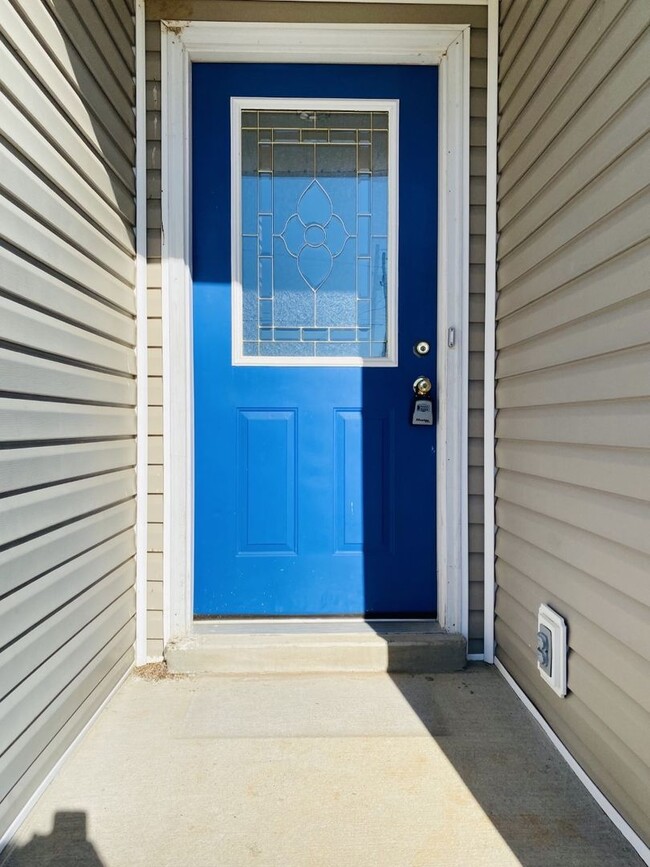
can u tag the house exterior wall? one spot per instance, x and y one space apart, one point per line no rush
261 10
67 365
573 374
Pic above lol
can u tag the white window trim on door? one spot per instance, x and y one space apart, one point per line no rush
391 107
446 46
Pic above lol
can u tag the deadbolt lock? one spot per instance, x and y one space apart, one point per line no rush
422 348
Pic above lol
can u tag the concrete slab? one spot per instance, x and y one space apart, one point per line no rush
325 646
316 771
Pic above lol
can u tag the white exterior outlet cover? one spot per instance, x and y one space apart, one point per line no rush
556 624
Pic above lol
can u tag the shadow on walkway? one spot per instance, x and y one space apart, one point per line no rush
66 846
530 795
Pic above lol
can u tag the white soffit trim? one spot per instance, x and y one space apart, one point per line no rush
412 2
605 805
141 349
444 45
403 44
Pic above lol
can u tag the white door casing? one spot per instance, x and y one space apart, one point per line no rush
444 45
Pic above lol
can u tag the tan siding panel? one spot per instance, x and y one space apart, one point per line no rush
615 281
45 115
618 663
155 391
620 86
608 191
155 449
625 472
82 707
24 136
619 231
99 582
39 331
624 423
35 511
620 375
26 374
154 624
520 18
119 20
155 648
155 477
83 670
155 567
24 562
67 96
621 715
618 519
609 331
67 480
34 467
620 567
110 104
29 235
592 743
615 613
100 52
154 595
607 145
155 537
30 421
30 284
33 195
594 52
535 56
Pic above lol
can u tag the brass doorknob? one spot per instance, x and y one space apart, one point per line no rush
422 386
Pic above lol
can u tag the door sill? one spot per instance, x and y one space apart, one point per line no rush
309 647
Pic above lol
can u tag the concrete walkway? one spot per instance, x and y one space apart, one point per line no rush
316 771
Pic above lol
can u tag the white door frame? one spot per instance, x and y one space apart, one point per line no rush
446 46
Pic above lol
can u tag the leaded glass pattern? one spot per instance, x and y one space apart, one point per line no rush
314 233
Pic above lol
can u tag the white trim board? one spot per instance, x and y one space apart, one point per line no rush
605 805
415 2
489 351
141 348
443 45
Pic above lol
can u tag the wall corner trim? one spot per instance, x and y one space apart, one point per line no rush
489 417
142 409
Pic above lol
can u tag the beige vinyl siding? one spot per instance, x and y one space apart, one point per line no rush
258 10
67 377
573 374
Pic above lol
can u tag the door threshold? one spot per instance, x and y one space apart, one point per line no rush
200 621
315 626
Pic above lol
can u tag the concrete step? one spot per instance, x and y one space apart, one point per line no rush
307 647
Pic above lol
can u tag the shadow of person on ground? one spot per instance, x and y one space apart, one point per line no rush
66 846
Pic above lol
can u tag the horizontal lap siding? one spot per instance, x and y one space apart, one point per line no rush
67 377
573 374
251 10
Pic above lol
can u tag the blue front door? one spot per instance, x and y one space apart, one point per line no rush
314 279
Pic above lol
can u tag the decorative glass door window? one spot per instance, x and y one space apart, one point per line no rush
314 192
